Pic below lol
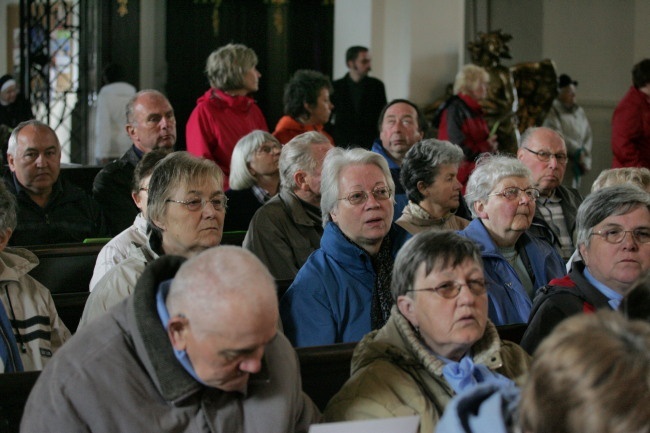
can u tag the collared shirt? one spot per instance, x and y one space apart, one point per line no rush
613 296
551 210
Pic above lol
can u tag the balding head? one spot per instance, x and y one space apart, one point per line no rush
150 121
223 312
544 152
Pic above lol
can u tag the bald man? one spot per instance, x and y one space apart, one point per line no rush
198 353
150 124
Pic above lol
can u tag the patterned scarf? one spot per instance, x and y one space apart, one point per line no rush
382 298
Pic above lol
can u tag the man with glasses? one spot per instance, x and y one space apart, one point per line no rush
543 151
614 242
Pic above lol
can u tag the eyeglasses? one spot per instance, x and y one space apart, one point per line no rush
616 235
513 193
451 289
360 197
220 203
269 148
544 156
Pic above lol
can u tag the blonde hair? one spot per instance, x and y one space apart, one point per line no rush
468 78
639 176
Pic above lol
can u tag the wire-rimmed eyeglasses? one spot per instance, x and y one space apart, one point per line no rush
513 193
218 203
360 197
545 156
616 235
451 289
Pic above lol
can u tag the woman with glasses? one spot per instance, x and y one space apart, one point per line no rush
501 197
254 177
614 243
186 207
437 342
343 289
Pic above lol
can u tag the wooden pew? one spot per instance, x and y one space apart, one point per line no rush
324 370
14 390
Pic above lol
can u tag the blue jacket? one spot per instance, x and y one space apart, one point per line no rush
509 302
330 298
401 199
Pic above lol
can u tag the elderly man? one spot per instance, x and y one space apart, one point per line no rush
150 124
614 242
288 228
50 210
544 152
401 125
35 323
568 118
358 100
199 353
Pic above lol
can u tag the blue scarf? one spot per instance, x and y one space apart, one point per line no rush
465 374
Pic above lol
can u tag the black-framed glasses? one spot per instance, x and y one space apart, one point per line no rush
451 289
218 203
545 156
616 235
360 197
513 193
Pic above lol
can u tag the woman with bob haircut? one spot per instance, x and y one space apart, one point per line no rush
437 342
462 120
501 197
591 375
307 105
225 112
429 176
254 177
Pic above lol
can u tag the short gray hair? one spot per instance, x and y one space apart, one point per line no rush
240 176
422 164
490 170
8 209
436 249
606 202
175 170
130 106
526 137
335 161
12 144
297 155
226 66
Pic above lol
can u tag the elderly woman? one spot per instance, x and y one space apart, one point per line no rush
307 105
590 375
343 289
639 176
437 342
254 177
462 121
117 249
613 226
502 199
428 175
185 212
225 113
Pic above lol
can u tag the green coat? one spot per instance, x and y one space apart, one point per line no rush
394 374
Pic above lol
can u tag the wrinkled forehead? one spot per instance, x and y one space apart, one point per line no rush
152 104
37 137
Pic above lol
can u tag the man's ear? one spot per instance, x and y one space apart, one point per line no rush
520 153
130 131
4 238
177 329
11 162
299 177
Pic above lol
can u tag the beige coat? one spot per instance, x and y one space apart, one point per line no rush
414 220
394 374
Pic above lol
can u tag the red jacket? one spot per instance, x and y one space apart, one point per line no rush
288 127
462 123
631 130
218 122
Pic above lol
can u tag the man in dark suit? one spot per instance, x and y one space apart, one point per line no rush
358 99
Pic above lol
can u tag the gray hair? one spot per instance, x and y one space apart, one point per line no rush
468 77
606 202
12 144
297 155
422 164
527 136
226 66
437 250
172 172
130 106
335 161
8 209
240 176
490 170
